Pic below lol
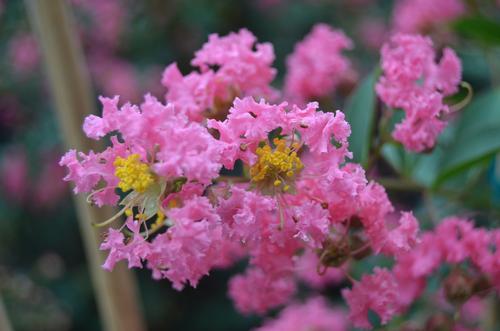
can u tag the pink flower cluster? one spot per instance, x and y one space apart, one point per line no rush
454 242
473 257
413 81
418 16
317 66
229 66
24 53
294 205
299 191
19 186
378 292
315 314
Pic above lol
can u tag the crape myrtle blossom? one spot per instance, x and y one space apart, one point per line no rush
454 242
162 175
301 196
23 52
420 16
378 292
471 253
317 65
228 66
413 81
315 314
300 210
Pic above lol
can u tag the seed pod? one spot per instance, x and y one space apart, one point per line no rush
458 287
335 253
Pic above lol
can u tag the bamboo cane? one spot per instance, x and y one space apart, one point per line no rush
70 85
4 319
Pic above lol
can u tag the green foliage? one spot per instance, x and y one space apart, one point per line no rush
479 29
477 137
360 113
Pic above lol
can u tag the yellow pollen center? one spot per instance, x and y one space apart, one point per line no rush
133 174
276 167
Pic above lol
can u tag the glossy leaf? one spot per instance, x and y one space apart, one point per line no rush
477 137
360 113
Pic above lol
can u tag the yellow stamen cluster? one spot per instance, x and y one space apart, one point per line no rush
133 174
276 167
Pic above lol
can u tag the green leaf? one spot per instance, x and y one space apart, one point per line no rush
360 112
477 137
478 28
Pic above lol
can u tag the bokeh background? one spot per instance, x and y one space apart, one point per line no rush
44 278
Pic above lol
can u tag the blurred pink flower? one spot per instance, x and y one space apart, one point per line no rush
49 188
418 16
315 314
14 174
377 292
23 53
114 76
413 81
373 33
306 268
256 291
107 20
316 67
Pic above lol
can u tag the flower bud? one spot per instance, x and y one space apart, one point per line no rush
458 287
335 253
439 322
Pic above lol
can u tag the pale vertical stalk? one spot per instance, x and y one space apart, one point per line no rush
4 319
116 292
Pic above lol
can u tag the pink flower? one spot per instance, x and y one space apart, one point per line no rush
294 202
418 16
242 68
108 19
315 314
256 291
317 67
114 76
454 241
187 251
48 188
242 62
377 292
373 33
422 125
306 268
190 248
414 82
375 207
23 53
14 171
149 129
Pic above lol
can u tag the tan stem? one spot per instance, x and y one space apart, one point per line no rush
70 86
4 319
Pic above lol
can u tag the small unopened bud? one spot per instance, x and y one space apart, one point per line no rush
439 322
458 287
335 253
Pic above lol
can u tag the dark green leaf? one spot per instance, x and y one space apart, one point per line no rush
479 29
360 112
477 137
